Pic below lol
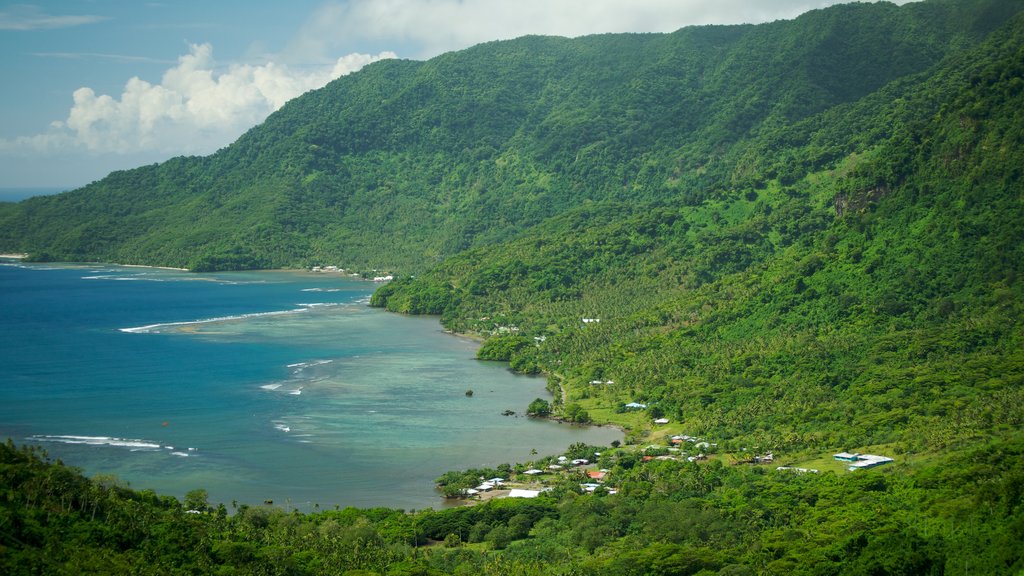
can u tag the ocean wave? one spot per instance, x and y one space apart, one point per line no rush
300 366
134 277
155 328
27 267
131 444
134 444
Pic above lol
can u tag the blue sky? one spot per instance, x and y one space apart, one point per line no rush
92 86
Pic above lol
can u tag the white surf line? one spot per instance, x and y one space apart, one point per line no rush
152 327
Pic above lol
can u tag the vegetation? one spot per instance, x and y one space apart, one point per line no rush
406 163
926 516
797 238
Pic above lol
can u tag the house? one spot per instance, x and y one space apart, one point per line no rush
485 487
533 472
635 406
869 461
597 474
580 462
520 493
862 461
801 470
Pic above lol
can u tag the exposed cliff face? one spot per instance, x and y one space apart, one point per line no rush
859 201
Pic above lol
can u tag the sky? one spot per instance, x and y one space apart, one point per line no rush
93 86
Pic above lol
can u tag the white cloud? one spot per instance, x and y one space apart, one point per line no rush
195 109
25 17
201 105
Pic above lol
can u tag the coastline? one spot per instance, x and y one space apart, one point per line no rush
24 256
480 338
142 266
287 408
475 337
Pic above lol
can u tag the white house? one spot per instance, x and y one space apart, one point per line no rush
520 493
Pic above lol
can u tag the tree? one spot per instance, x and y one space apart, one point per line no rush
539 407
575 413
197 500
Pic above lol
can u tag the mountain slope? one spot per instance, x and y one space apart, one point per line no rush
860 284
797 238
406 163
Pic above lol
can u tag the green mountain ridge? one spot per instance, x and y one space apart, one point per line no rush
822 300
406 163
801 237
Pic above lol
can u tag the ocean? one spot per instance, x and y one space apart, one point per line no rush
19 194
254 386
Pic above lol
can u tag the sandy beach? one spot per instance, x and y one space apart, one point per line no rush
14 256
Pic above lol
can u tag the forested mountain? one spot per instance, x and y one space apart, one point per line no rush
794 238
406 163
856 279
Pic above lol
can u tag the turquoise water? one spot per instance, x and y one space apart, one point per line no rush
256 386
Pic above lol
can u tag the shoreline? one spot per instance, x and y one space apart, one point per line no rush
433 327
142 266
473 336
339 273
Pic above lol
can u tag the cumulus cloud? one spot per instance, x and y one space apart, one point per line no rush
24 17
195 109
200 105
441 25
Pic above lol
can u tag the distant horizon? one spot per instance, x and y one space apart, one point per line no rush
19 193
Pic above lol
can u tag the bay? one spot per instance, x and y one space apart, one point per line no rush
255 386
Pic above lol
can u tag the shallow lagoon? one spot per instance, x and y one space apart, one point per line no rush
256 386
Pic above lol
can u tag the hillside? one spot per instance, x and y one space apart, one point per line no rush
796 238
406 163
856 282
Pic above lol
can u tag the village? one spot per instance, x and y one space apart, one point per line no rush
593 471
